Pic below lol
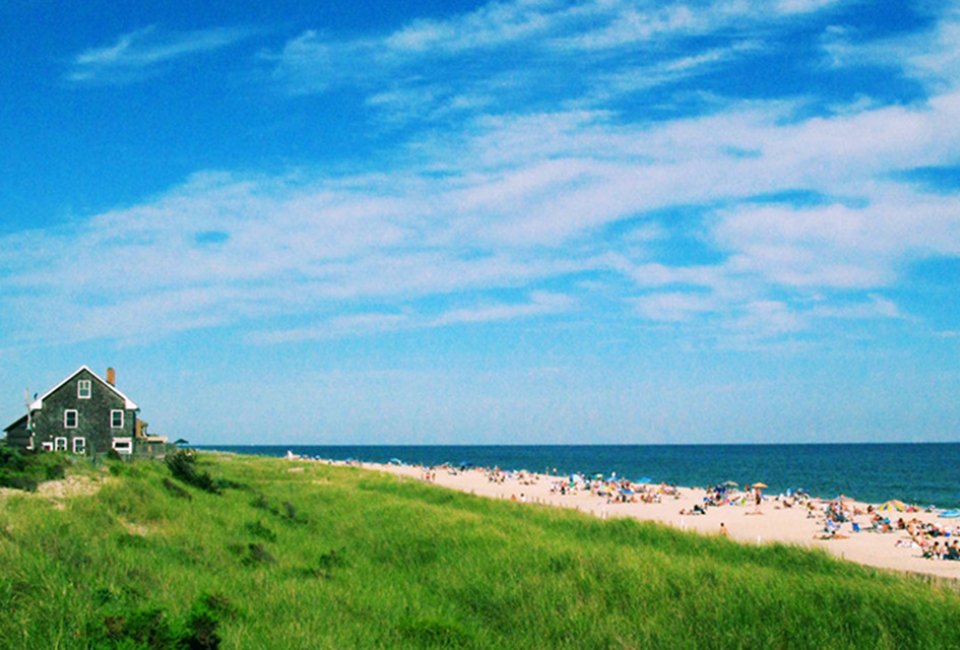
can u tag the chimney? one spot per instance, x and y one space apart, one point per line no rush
111 377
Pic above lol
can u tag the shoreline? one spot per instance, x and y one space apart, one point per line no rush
801 523
878 471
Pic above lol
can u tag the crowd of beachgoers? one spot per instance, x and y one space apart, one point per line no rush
934 540
892 535
839 517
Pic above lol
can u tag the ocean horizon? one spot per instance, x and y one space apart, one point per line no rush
924 474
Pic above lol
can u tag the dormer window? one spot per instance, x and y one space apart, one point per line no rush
84 389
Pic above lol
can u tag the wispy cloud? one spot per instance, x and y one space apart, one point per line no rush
461 219
143 52
501 217
674 307
515 52
538 303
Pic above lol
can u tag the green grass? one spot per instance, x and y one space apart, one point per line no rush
333 557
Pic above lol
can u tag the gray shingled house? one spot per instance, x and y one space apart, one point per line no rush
83 414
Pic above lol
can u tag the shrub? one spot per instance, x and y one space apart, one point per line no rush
25 471
286 511
257 529
151 628
203 621
257 554
184 468
176 490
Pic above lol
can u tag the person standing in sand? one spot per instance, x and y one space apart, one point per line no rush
723 530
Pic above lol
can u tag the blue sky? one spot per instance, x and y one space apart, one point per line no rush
506 222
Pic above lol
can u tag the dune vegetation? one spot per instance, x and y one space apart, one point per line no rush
229 551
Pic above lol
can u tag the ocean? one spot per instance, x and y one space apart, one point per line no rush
921 473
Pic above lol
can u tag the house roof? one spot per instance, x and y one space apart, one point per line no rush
15 423
128 403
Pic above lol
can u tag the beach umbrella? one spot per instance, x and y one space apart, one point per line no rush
733 484
644 479
894 505
396 461
761 486
626 491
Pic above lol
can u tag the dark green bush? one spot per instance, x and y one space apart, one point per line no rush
183 466
256 553
24 471
176 490
151 628
257 529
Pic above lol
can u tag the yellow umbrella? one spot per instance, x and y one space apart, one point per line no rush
893 505
760 485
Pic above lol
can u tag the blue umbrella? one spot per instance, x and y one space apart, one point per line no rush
644 479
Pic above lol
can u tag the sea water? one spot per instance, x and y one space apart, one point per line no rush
922 473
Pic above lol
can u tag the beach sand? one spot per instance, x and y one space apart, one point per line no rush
771 522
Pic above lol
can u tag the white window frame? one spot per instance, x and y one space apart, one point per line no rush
84 389
46 446
113 418
79 445
123 445
60 443
76 418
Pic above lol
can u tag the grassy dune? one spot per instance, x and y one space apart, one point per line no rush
301 555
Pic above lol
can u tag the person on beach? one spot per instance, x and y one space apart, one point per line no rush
953 552
723 530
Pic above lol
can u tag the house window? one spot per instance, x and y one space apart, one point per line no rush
123 445
60 444
84 389
116 419
70 418
79 445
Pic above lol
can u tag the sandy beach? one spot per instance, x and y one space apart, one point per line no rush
802 523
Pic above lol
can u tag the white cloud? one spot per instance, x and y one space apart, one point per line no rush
674 307
136 54
541 303
493 24
931 56
512 200
630 24
766 318
501 43
875 307
522 200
